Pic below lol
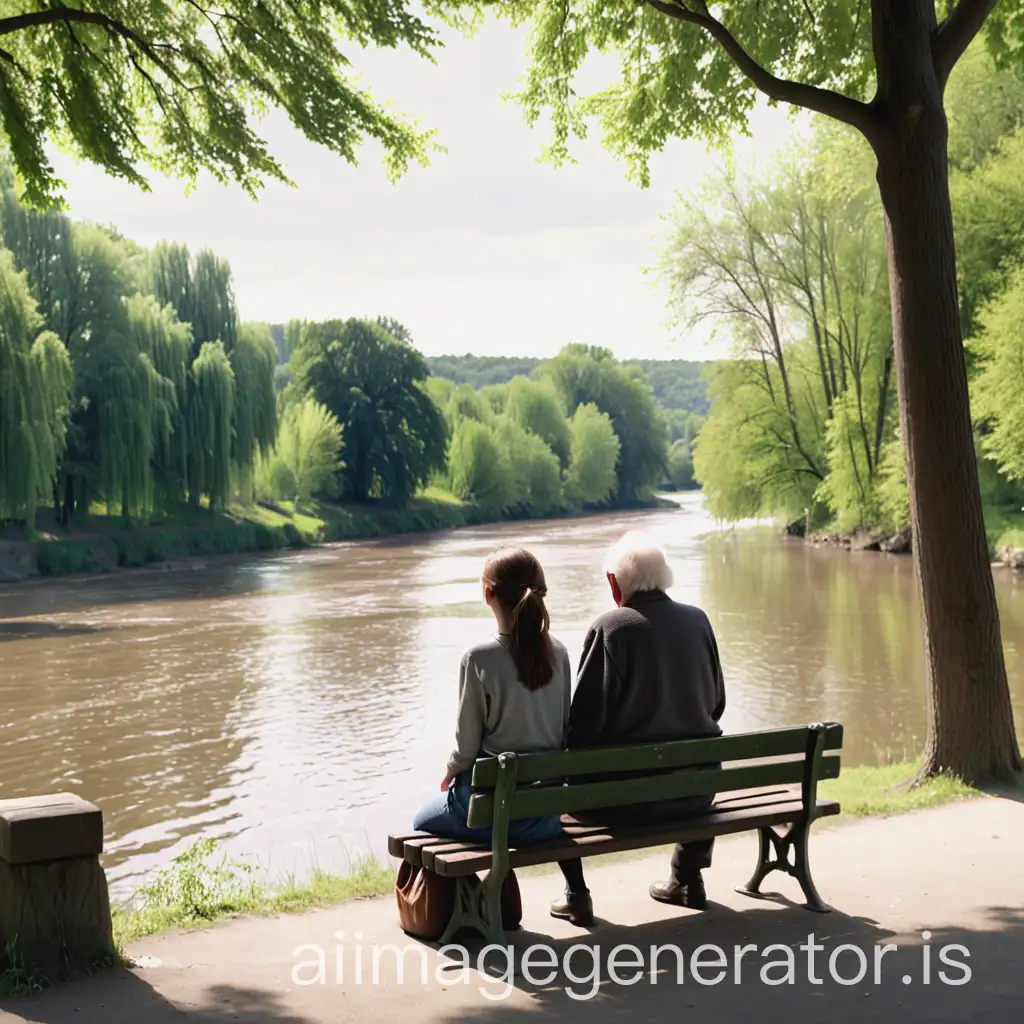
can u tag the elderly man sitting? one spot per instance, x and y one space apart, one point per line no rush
649 672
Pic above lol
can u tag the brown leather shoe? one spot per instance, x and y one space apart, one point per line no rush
576 907
690 893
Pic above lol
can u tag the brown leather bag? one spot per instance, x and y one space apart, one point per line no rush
426 901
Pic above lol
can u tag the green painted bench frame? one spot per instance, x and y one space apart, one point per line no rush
510 787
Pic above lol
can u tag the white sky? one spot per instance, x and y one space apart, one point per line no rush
486 251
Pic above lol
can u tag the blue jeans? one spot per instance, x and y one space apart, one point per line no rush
445 815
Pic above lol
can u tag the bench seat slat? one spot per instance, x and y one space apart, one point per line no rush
541 801
410 846
654 756
464 859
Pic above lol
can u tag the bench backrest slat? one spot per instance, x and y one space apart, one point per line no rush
653 756
666 771
541 801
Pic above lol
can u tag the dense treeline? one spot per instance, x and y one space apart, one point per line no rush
677 383
581 432
128 382
679 388
791 259
131 388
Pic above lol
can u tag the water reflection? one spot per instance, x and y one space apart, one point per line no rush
299 706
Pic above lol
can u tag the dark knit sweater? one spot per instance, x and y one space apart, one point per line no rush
649 672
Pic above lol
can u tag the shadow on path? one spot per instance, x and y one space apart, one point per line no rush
908 987
122 997
739 988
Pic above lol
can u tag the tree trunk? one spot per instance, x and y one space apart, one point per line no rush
970 719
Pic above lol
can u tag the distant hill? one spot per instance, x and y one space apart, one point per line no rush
676 383
480 370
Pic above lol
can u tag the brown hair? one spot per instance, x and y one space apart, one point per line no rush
517 582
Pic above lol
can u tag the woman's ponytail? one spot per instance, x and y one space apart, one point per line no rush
517 581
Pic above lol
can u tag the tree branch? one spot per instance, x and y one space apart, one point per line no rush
954 35
823 101
52 16
70 15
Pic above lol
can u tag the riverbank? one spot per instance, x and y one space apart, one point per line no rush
201 885
889 881
107 544
1004 531
886 542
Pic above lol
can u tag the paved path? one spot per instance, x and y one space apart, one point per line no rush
956 872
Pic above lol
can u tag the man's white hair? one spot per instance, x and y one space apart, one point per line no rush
637 564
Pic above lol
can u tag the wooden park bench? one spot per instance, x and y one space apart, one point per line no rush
756 786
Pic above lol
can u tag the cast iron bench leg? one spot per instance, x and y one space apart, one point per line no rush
799 867
477 907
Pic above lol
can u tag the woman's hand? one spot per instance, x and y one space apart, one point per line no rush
448 779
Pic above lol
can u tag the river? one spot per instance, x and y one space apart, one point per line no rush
300 706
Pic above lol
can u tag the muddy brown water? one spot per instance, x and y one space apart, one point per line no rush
298 707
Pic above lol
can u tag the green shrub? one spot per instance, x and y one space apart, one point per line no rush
62 557
293 536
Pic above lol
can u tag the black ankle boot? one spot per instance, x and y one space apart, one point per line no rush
688 892
576 907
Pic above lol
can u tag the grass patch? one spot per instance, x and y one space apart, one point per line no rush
309 526
17 980
867 790
202 886
435 492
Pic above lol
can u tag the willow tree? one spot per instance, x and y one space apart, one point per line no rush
165 343
253 359
80 276
171 279
201 293
690 68
210 425
214 315
42 247
78 272
200 289
35 379
123 419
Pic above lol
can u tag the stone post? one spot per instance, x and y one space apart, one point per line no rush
54 905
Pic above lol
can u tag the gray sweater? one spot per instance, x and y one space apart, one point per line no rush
497 714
